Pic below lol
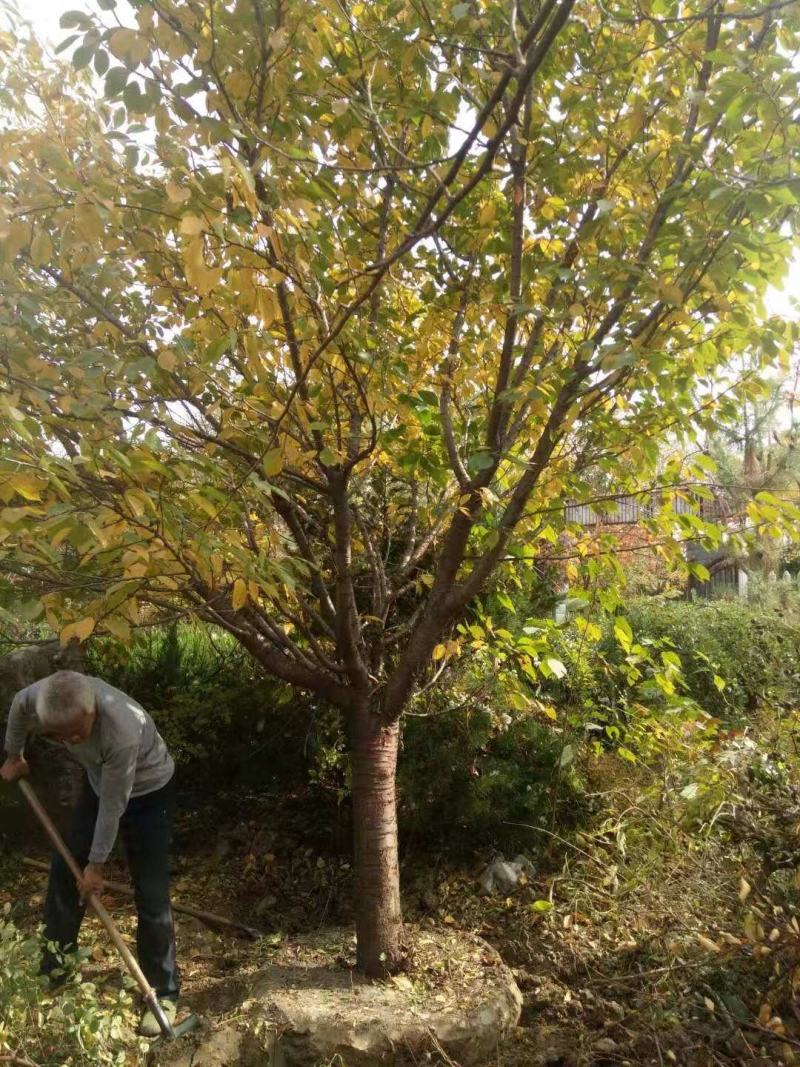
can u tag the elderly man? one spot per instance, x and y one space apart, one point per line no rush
127 786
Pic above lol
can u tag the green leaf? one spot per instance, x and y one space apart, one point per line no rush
65 44
541 905
101 62
623 632
507 603
273 462
116 80
218 347
72 19
481 461
132 96
82 57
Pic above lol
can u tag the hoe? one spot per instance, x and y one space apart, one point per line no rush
168 1031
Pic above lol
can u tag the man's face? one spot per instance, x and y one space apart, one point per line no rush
75 731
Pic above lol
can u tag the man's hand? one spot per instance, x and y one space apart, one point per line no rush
13 768
92 882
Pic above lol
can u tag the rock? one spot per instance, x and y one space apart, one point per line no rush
525 865
502 876
32 662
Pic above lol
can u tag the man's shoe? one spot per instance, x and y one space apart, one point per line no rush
149 1027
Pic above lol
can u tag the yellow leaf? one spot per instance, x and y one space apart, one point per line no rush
708 944
238 84
671 293
88 222
268 307
167 359
439 652
122 42
239 596
137 501
81 630
41 249
119 628
26 486
145 17
744 890
272 462
751 931
192 225
135 570
19 233
176 193
207 505
487 213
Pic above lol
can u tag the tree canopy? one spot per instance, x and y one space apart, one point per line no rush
315 314
318 289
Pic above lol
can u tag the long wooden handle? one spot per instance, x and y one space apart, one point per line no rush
129 959
184 909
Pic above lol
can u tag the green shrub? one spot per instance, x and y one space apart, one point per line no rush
756 654
468 782
475 757
224 721
80 1025
471 765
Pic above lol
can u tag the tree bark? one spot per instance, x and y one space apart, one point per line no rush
377 873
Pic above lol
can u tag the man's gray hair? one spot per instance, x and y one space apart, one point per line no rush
62 697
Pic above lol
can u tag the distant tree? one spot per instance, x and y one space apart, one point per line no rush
758 453
313 319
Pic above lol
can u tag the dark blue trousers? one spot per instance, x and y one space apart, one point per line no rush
146 829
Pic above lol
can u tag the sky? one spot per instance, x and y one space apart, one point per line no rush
44 16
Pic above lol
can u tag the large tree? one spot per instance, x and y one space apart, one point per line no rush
314 314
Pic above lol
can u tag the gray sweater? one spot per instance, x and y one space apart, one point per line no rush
124 756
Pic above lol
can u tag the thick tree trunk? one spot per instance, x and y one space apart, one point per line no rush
377 873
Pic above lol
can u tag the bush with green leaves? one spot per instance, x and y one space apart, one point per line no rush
220 716
490 744
79 1025
733 658
475 771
